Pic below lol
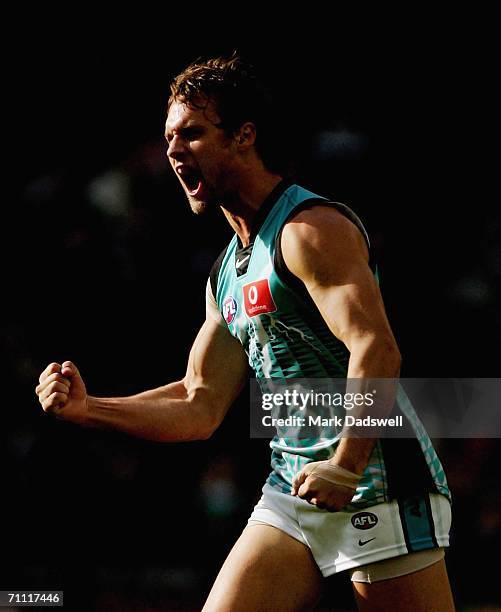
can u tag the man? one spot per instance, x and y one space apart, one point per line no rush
293 295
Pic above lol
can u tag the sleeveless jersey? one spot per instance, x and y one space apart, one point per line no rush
284 336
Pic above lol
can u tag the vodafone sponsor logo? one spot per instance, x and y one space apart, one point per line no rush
257 298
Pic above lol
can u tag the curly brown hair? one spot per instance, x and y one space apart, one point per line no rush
238 96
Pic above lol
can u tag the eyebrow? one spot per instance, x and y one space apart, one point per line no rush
184 130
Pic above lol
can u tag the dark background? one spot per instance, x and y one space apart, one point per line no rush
104 264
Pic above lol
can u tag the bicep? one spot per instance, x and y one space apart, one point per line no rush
353 309
217 369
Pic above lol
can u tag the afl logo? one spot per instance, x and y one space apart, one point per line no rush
364 520
229 309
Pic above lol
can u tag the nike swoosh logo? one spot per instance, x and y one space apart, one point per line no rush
360 543
241 261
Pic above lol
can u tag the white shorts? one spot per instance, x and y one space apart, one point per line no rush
353 538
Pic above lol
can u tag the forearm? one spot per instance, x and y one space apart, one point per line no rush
374 357
373 365
165 414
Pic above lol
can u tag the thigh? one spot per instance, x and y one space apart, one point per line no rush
427 590
267 570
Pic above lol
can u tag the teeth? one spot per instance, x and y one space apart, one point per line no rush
185 170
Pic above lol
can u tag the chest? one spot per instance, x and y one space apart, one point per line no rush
251 292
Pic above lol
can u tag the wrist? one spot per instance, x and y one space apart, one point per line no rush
353 467
336 474
96 411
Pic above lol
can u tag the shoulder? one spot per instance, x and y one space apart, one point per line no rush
321 233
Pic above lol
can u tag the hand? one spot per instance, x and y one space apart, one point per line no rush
325 485
62 392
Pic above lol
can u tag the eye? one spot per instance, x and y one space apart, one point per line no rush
192 133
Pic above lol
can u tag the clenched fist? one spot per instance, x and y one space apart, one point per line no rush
62 392
325 485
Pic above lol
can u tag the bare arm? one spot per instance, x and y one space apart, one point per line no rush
188 409
328 253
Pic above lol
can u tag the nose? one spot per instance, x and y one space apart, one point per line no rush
176 148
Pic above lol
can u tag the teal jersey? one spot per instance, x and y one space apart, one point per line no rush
284 336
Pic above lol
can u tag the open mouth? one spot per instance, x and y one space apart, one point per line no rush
192 179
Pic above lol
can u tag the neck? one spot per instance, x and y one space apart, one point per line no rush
241 211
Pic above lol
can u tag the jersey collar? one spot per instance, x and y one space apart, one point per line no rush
265 209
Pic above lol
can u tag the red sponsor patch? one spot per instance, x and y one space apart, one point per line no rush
257 298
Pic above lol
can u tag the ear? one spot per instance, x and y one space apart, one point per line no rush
245 136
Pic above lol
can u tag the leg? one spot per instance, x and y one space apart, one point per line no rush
267 570
427 590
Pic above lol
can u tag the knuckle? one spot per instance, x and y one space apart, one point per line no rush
52 367
54 387
57 397
57 378
311 483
